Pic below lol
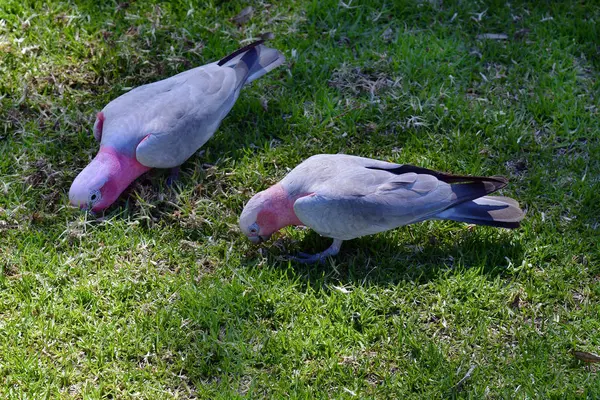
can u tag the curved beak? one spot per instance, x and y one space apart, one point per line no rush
259 239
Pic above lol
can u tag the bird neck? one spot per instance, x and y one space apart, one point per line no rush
125 169
282 206
122 171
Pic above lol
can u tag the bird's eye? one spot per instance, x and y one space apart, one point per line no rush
95 196
253 229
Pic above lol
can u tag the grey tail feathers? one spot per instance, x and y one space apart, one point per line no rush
474 206
237 54
471 201
448 178
466 188
498 211
253 61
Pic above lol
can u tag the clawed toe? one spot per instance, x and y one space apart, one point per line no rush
308 258
171 179
173 176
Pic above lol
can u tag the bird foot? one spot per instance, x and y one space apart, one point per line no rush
173 176
305 258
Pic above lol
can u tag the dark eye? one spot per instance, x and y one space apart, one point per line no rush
253 230
95 196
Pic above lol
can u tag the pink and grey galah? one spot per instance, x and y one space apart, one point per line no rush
344 197
162 124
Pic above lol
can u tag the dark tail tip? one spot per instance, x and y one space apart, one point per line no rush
495 224
240 51
496 211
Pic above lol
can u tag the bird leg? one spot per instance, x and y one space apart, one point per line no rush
173 176
319 257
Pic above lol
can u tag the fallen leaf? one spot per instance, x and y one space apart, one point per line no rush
267 35
244 16
586 357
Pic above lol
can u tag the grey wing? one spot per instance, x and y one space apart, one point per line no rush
165 122
341 170
188 116
398 201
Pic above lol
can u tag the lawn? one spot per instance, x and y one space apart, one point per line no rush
163 297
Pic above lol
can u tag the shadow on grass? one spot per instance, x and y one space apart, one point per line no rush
376 260
234 323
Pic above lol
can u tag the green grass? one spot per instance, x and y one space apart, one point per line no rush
163 297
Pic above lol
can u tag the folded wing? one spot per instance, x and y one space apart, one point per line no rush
369 199
165 122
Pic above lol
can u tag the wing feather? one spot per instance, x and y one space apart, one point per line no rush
354 196
190 115
392 204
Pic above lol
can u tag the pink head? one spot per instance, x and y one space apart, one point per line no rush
267 212
104 179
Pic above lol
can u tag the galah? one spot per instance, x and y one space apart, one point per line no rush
162 124
344 197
